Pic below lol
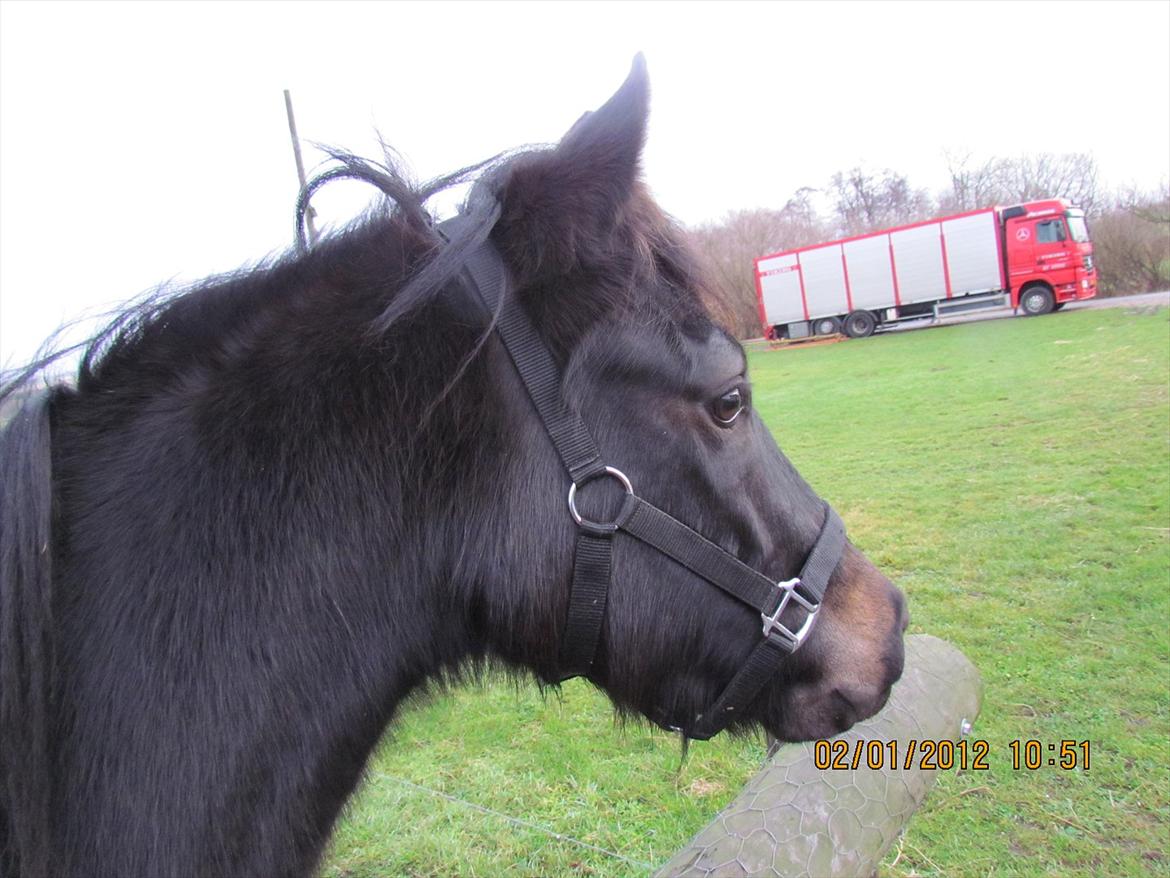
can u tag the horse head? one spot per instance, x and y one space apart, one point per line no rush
609 285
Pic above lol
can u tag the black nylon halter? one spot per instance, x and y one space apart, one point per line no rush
796 600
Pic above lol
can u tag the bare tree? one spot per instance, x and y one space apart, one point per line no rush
1131 240
1045 175
1000 180
864 202
727 250
1153 207
974 185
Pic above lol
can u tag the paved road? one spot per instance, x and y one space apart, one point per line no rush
1145 300
1153 300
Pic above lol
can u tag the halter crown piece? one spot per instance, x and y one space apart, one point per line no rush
796 600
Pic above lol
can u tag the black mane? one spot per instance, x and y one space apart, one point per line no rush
196 316
395 245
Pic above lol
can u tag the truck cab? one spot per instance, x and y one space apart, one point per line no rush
1048 255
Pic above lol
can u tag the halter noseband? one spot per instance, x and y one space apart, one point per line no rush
797 599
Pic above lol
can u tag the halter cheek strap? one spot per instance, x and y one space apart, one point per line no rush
788 609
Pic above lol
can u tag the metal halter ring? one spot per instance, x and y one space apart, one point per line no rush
772 625
584 522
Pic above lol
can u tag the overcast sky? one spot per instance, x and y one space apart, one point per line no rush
147 141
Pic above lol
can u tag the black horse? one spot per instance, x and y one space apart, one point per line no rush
274 505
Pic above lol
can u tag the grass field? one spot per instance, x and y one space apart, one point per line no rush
1014 478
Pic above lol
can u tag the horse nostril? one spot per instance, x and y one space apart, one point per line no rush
858 703
903 612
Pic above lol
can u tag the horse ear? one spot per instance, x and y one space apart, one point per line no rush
610 139
558 204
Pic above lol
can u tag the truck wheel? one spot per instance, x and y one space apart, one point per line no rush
859 324
1037 300
826 326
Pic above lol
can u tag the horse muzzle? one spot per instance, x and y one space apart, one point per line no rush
857 656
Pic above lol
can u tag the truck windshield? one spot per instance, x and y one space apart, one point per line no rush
1077 227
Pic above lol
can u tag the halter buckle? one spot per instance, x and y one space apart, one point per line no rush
776 631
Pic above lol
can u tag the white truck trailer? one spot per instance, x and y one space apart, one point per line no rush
1035 256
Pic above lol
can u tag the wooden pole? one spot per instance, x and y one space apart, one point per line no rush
796 817
296 145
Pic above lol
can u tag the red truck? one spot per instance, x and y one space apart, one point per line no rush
1034 257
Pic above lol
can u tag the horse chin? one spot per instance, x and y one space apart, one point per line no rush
810 713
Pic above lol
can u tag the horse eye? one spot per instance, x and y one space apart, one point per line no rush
727 407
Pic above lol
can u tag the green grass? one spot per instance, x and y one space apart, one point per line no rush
1014 478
